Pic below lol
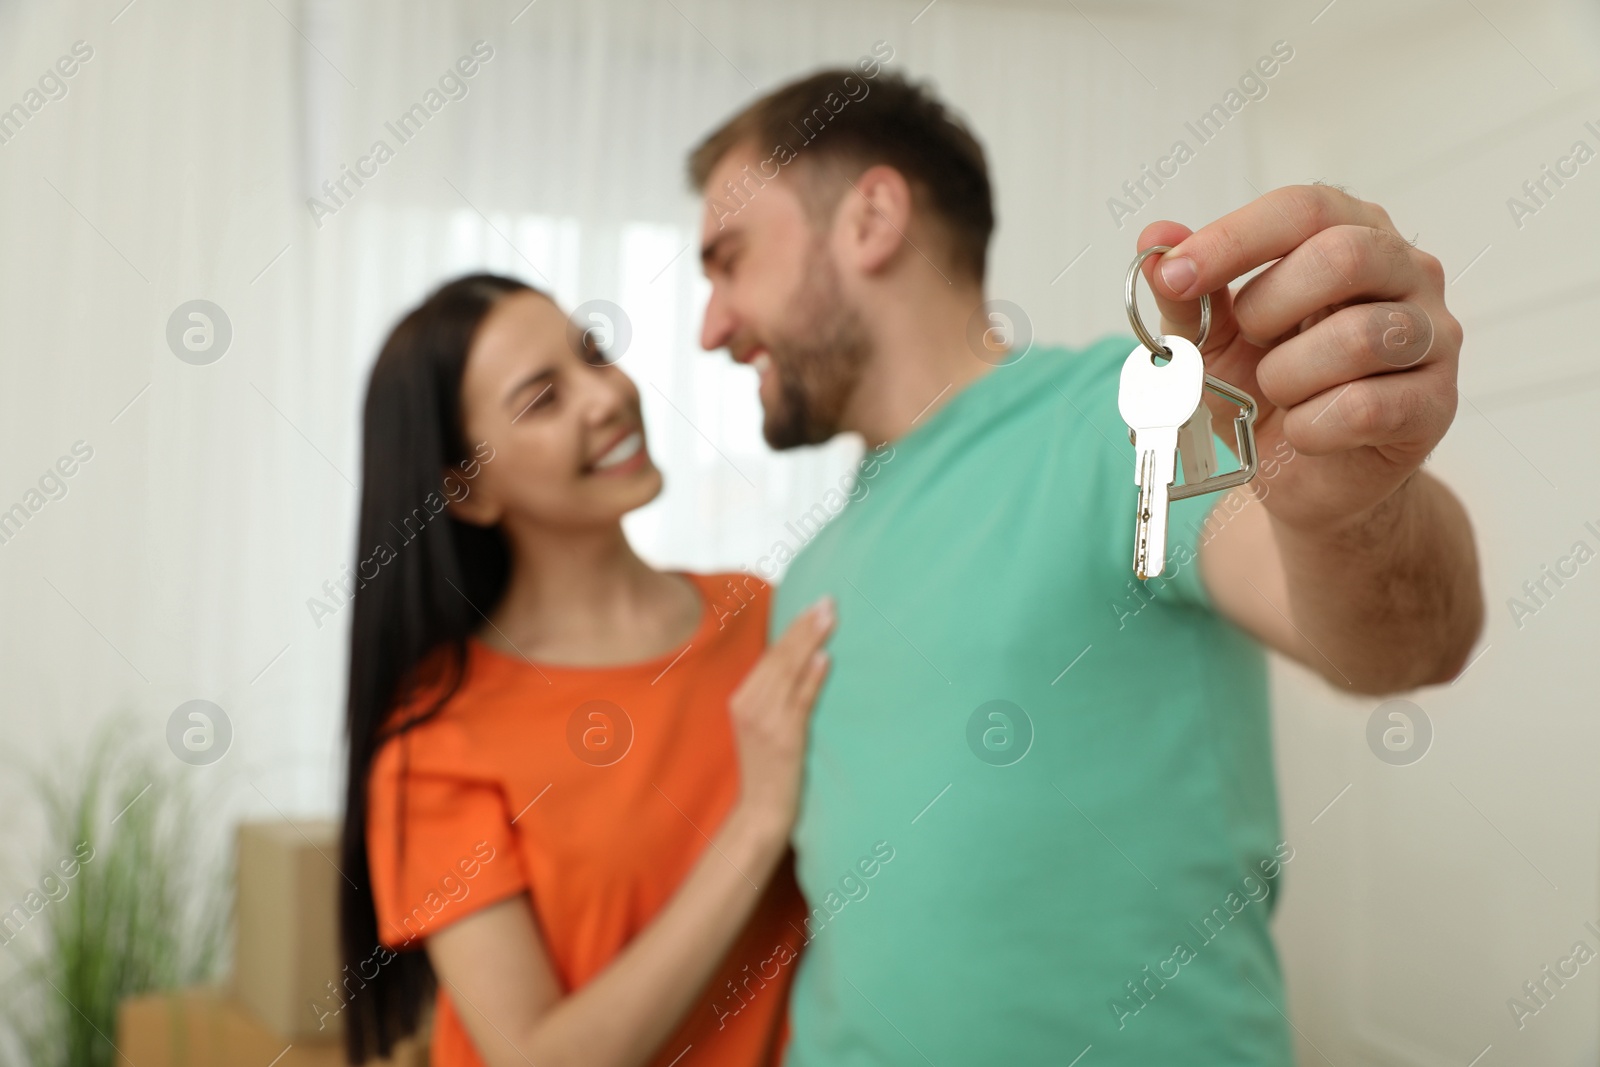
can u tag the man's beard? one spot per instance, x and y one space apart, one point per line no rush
817 359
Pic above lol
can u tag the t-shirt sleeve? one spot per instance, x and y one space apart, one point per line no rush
440 845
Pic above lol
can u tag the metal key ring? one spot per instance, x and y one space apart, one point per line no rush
1130 298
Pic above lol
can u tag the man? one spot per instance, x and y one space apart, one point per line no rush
1071 770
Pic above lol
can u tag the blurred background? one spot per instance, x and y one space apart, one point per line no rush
1444 858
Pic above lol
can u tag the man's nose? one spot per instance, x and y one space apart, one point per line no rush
718 324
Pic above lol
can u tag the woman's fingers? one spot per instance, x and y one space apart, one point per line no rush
789 655
777 671
810 683
771 708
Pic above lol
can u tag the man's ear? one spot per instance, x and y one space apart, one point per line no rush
466 500
876 214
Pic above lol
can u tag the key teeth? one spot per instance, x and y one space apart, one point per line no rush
1150 397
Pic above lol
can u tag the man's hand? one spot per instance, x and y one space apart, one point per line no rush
1345 342
1349 559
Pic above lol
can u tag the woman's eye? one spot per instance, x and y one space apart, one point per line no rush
543 397
593 354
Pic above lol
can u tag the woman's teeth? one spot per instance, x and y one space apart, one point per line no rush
762 362
621 452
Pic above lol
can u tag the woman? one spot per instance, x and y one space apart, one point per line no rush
572 777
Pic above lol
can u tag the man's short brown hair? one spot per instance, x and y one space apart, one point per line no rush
845 120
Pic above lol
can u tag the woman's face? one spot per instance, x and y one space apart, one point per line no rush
565 427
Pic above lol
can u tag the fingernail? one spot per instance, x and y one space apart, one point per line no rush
1179 274
823 612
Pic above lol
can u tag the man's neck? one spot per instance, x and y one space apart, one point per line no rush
921 360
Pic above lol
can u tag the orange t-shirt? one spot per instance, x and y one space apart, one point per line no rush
594 791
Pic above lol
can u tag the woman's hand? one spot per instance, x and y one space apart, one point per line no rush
500 974
770 712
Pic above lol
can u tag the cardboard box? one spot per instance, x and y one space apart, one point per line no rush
286 945
203 1027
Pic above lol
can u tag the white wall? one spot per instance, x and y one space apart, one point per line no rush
179 564
1424 898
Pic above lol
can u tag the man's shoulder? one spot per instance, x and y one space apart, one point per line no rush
1058 376
1060 409
1089 370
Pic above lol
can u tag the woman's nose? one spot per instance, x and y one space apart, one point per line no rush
607 394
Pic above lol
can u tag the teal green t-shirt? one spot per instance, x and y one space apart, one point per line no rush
1038 814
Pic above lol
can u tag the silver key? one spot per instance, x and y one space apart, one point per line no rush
1197 449
1155 400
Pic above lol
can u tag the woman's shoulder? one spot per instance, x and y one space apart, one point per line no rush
438 714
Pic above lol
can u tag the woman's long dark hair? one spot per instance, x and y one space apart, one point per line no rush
424 595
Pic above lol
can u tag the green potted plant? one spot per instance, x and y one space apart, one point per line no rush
131 896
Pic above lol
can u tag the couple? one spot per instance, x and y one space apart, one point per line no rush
1031 807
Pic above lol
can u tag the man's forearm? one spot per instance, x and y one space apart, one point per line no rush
1393 601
